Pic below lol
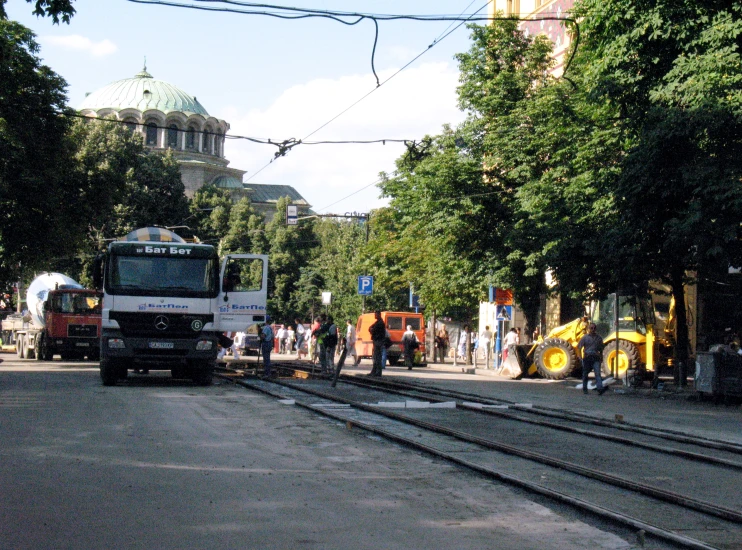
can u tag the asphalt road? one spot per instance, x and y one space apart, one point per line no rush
156 463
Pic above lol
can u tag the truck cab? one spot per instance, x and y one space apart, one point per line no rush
166 303
396 323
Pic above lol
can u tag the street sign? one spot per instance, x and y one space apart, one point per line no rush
292 214
503 297
365 285
504 313
326 298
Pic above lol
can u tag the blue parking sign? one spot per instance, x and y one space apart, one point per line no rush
365 285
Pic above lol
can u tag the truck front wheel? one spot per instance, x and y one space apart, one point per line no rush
109 372
202 372
47 353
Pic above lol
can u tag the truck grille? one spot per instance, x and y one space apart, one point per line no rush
166 325
82 331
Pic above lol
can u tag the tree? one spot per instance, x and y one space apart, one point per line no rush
246 233
121 185
52 8
291 247
39 220
211 208
456 199
671 73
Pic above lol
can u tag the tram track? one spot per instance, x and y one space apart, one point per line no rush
713 524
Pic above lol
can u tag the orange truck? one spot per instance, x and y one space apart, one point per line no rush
396 323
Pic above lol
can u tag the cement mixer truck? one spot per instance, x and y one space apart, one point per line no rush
167 303
62 318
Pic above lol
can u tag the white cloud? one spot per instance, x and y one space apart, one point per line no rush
81 43
416 102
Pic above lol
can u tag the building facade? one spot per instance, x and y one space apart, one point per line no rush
170 119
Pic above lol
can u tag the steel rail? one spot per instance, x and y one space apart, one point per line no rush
604 513
634 428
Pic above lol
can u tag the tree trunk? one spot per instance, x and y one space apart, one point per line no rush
680 369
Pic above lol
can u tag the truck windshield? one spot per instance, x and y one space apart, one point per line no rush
78 304
162 276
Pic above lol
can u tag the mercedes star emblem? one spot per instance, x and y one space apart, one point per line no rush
161 322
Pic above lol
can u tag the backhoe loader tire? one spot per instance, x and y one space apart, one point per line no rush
555 358
628 357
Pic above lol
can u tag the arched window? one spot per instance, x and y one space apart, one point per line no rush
172 136
130 125
151 134
207 142
191 138
218 144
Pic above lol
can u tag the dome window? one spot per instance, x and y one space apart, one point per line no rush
151 134
207 142
172 136
191 139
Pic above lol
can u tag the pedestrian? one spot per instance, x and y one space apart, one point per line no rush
283 335
441 342
378 336
300 336
319 334
330 342
350 342
590 348
410 343
385 348
509 343
266 347
290 339
313 347
462 342
485 342
239 343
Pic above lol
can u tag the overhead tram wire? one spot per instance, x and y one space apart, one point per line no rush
436 40
304 13
287 143
418 56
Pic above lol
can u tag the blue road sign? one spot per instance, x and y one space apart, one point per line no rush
365 285
504 313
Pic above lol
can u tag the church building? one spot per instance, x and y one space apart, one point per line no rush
169 118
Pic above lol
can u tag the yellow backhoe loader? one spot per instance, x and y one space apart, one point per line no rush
634 349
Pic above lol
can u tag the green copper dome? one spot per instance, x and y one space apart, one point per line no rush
228 182
143 93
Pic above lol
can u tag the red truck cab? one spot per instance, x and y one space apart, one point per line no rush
73 321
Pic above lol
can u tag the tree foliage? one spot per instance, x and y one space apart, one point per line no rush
55 9
36 201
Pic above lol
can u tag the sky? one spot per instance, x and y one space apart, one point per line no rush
279 79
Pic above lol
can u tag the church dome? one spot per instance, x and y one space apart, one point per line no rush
228 182
143 92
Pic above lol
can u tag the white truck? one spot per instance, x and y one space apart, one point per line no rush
167 303
62 318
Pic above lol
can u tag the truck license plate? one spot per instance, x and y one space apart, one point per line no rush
161 345
82 344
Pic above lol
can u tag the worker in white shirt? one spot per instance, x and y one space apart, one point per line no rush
350 342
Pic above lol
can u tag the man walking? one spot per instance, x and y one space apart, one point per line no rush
410 343
266 346
300 334
378 335
331 342
485 339
350 342
590 347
